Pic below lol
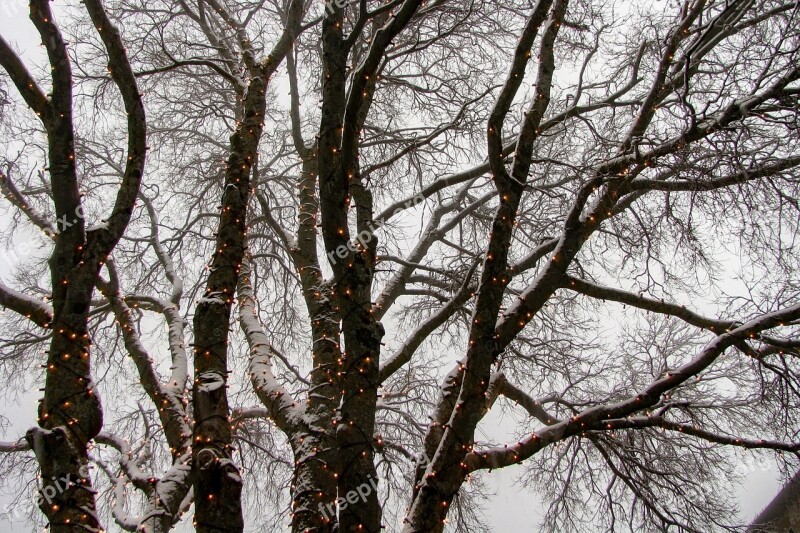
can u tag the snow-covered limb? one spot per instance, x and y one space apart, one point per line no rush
520 397
163 256
593 290
12 447
249 413
177 347
598 417
166 496
283 408
123 519
172 496
101 225
13 194
741 177
32 308
534 256
212 299
695 431
175 334
128 462
167 398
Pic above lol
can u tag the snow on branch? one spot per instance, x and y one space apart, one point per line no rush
283 408
31 308
599 417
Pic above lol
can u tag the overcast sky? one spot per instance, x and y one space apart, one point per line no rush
512 509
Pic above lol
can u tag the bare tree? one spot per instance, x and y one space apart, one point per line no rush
212 471
602 247
70 414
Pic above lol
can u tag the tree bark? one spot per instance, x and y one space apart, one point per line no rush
217 483
70 413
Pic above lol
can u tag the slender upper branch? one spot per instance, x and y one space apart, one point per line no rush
24 81
123 76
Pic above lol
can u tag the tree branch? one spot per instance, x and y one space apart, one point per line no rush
31 308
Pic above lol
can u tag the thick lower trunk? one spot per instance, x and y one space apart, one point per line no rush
314 486
220 486
315 478
217 484
431 505
69 417
360 508
66 497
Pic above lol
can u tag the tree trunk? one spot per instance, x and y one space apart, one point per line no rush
217 484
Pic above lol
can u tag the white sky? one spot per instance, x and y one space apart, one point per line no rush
511 509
